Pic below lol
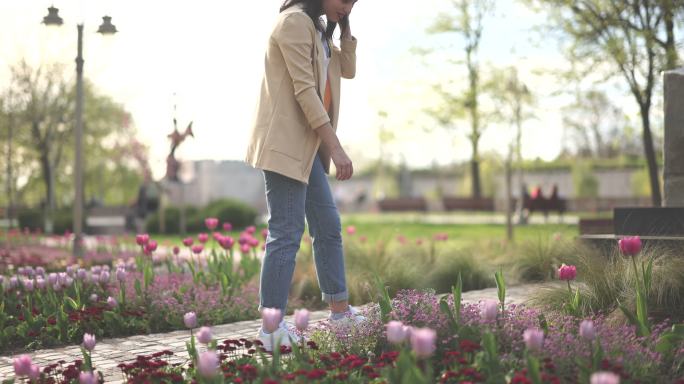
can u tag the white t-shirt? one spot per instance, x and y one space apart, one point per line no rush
328 53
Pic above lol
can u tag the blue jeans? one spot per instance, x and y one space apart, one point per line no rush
289 202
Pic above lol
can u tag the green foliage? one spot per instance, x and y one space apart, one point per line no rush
584 180
235 212
538 259
34 218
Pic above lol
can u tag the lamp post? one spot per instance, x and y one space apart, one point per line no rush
107 28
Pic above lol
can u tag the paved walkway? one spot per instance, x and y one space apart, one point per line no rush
111 352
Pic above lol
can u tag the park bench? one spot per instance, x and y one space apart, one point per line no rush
403 204
102 220
537 202
451 203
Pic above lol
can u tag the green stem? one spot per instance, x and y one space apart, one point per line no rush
636 272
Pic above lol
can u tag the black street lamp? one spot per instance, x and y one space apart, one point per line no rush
107 28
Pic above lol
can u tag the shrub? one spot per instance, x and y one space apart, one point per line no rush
171 220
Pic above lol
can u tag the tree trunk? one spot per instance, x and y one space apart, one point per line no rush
49 178
650 157
670 45
475 173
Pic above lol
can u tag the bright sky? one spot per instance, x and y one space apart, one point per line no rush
210 54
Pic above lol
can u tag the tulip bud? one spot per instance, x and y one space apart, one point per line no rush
534 339
190 320
204 335
301 318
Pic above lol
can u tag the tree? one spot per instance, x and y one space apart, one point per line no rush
595 122
636 37
44 110
512 99
468 23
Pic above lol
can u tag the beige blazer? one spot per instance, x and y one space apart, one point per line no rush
290 106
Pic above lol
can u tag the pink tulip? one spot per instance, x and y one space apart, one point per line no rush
244 248
89 341
264 233
217 236
87 378
396 332
227 226
176 250
121 274
567 272
111 302
188 241
271 319
22 365
34 373
604 378
151 246
423 341
586 330
203 238
363 238
208 364
190 320
211 223
226 242
534 339
204 335
630 245
301 318
142 239
489 309
251 229
351 230
197 249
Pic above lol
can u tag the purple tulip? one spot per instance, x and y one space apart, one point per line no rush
52 278
20 270
534 339
630 245
586 330
204 335
69 281
121 274
208 364
13 282
28 285
40 271
104 277
29 271
40 283
604 378
70 270
111 302
87 378
489 309
423 341
89 341
396 332
271 319
301 318
61 277
95 269
81 274
57 287
190 320
22 365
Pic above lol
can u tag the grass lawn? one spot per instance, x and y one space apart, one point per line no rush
414 226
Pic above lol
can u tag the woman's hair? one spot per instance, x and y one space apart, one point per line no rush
313 8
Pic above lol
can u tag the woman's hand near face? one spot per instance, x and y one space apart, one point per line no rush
346 29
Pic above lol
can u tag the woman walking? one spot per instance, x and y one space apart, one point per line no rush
294 141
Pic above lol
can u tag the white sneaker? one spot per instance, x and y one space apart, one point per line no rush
351 317
284 335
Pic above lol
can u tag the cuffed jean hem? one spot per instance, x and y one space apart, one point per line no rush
335 297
